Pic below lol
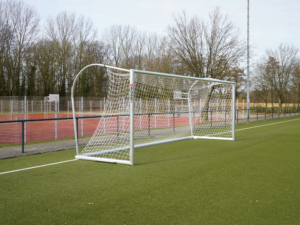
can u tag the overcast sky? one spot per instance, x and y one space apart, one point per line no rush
271 21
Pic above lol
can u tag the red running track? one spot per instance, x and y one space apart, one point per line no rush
11 133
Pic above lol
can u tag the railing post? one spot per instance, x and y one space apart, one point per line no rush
265 113
237 116
117 126
22 136
272 112
248 115
77 128
294 111
174 121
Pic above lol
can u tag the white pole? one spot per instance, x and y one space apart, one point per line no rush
81 115
200 107
104 111
131 154
25 117
190 115
237 107
55 117
233 112
124 111
155 112
248 75
169 104
140 113
243 108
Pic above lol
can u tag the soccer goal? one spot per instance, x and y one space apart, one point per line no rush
144 108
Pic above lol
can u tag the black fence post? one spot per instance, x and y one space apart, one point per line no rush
278 112
257 114
117 126
272 112
248 114
174 122
22 136
265 113
77 128
211 118
294 111
237 116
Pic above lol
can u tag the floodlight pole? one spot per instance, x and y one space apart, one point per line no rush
248 81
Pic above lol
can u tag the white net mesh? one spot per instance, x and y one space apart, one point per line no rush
111 138
165 108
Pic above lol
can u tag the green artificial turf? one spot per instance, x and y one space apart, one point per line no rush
253 180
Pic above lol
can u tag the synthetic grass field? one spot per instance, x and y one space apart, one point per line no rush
253 180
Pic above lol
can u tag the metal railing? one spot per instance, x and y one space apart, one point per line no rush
259 114
256 114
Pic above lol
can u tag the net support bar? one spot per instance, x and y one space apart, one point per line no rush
136 146
102 159
214 138
131 153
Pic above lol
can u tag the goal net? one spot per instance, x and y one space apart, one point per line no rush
146 108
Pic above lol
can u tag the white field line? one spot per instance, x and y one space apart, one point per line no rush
225 132
34 167
50 164
266 125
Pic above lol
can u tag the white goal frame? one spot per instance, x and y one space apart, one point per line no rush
132 146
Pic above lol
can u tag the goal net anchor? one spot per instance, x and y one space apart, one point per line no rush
144 108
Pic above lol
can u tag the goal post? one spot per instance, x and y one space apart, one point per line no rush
156 108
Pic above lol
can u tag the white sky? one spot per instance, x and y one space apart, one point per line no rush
271 21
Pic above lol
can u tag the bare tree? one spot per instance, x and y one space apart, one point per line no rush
19 24
277 68
84 34
113 39
128 37
61 31
139 49
262 88
209 49
296 81
6 37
